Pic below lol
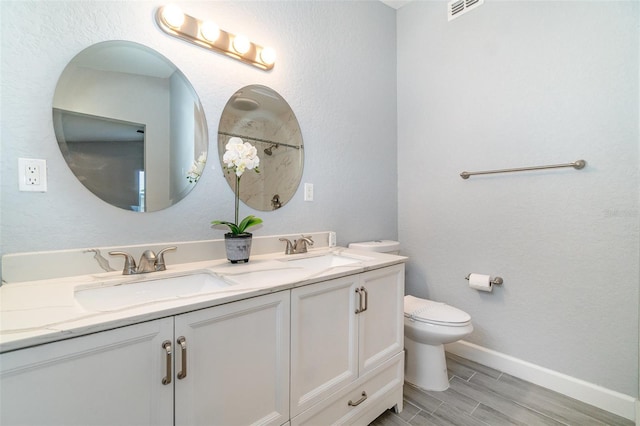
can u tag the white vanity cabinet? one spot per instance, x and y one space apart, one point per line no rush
324 340
347 348
237 363
327 352
225 365
108 378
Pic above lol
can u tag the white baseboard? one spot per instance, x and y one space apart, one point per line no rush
614 402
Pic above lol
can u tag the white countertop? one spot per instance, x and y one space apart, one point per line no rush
36 312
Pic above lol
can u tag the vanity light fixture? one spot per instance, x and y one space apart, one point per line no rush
241 44
208 35
210 31
172 16
268 56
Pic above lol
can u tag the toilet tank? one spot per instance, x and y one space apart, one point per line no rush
380 246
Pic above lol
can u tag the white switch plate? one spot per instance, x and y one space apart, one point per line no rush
308 192
32 175
332 239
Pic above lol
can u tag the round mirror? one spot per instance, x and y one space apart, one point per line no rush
130 126
259 115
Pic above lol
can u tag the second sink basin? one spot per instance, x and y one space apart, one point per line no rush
325 261
109 298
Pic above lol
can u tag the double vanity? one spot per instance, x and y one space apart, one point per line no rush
314 338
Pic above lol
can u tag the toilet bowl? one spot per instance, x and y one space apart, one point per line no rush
428 326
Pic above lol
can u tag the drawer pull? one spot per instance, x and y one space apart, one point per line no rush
358 402
183 345
166 345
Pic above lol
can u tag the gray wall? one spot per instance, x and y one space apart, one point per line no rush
516 84
335 67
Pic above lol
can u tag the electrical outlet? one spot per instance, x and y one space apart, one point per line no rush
308 192
32 175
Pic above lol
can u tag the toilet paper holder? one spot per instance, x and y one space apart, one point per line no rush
494 281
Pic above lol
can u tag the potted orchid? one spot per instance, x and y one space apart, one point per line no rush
239 157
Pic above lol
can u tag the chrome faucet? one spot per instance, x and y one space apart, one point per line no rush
298 246
149 261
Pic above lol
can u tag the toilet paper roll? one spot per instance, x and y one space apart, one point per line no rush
480 282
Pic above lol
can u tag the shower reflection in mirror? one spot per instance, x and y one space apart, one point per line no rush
259 115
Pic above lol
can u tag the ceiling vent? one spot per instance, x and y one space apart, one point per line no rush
458 8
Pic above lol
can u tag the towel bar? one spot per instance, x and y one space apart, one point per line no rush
576 165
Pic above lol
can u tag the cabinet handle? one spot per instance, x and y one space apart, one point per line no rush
183 354
358 402
366 298
166 345
359 308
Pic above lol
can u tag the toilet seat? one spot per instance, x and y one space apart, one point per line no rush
436 313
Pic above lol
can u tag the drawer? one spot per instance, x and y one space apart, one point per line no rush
351 403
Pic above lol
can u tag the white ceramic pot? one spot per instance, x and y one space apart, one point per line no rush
238 246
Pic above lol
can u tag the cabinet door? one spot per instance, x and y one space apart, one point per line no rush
108 378
324 341
381 325
237 363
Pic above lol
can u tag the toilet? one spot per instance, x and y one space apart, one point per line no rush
428 326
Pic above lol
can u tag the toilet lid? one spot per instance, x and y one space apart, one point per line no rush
425 310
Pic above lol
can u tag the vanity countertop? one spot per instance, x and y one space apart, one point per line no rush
37 312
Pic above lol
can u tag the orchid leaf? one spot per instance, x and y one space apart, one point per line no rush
248 222
232 226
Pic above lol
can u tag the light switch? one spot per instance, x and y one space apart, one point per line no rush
308 192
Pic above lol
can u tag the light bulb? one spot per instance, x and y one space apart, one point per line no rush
172 16
241 44
268 55
210 31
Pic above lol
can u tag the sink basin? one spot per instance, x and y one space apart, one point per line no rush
323 261
124 295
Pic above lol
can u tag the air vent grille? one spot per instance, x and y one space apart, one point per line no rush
460 7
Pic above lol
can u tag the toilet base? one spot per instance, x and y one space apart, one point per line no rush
426 366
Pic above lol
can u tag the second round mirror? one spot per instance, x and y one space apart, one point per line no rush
259 115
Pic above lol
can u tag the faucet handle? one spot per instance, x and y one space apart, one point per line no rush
129 262
289 248
160 265
303 241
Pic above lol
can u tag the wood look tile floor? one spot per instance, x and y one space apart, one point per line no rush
481 396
